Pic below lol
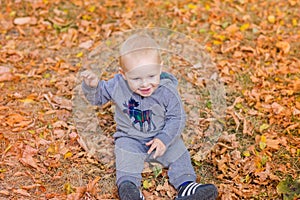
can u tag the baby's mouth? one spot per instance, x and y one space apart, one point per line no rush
145 91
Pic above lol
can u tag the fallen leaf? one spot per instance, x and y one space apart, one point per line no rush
263 127
284 46
5 74
21 192
86 45
271 19
147 184
274 144
68 155
27 157
4 192
22 20
277 108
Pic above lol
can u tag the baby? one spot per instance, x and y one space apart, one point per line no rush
150 119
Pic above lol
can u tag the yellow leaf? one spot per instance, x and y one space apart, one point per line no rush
244 27
263 142
192 6
2 170
146 184
12 13
294 22
47 75
262 145
92 8
52 149
86 17
68 188
80 54
207 7
217 42
271 19
68 155
247 178
7 149
263 127
263 139
246 153
27 100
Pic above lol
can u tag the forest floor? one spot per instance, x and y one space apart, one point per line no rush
254 44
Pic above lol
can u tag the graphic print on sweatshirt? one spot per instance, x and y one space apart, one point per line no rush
141 117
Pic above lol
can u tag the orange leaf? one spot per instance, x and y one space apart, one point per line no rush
4 192
22 192
277 108
25 20
6 77
274 144
27 157
14 118
284 46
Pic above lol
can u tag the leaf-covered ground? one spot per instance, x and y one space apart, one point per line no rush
255 45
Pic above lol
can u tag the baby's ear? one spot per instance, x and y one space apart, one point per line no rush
121 71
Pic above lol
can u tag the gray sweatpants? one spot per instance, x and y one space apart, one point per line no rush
131 155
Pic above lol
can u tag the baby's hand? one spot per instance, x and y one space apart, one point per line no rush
158 145
89 78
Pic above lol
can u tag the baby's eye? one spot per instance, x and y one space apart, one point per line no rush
135 79
152 76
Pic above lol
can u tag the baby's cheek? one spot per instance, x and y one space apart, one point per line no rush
133 86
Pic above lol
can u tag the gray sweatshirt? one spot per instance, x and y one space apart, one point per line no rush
160 115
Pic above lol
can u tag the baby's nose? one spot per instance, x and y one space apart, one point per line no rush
144 82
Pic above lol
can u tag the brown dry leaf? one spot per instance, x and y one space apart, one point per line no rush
63 102
5 74
80 191
25 20
27 157
21 192
23 123
284 46
4 192
4 70
296 112
274 144
29 187
11 56
229 46
297 86
277 108
14 118
87 44
91 186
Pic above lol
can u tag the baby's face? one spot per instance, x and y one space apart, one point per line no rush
142 76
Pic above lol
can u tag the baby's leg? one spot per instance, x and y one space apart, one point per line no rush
130 156
181 170
182 176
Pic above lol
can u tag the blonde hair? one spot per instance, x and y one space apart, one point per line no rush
139 46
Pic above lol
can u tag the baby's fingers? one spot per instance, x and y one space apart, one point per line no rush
84 74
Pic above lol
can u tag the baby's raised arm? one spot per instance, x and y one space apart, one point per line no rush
90 78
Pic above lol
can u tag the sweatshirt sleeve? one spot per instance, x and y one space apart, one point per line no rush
174 119
102 93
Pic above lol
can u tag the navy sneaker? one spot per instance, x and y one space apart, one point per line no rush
129 191
195 191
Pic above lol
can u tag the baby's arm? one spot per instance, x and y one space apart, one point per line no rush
174 119
89 78
96 91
